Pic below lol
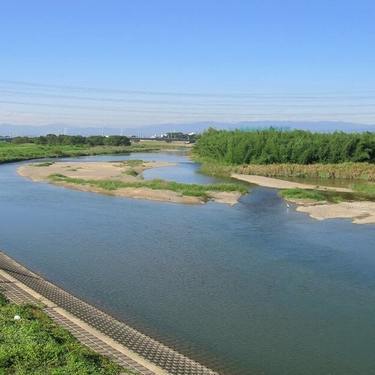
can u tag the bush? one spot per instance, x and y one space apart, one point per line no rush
279 146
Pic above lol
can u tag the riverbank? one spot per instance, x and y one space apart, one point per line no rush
320 202
359 212
125 179
284 184
329 172
351 172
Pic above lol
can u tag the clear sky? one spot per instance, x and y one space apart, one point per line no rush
126 63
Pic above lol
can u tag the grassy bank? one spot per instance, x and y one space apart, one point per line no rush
352 171
195 190
328 196
348 171
17 152
36 345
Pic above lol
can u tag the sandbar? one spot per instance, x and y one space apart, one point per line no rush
125 171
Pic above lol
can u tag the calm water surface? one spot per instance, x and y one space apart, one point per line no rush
252 289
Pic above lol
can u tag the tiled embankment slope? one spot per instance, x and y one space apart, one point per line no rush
93 327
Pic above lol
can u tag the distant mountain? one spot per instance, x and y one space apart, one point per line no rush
150 130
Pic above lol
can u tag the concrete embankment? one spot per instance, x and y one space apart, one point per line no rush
96 329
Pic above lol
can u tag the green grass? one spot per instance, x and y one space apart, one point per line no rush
195 190
35 345
329 196
303 194
16 152
365 188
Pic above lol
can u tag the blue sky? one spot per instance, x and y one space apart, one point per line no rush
119 62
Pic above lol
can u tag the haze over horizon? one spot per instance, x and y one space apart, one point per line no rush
131 65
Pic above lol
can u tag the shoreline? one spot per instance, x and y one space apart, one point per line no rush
361 212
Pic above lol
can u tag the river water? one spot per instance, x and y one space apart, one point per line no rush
252 289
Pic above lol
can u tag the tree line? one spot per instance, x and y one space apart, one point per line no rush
74 140
282 146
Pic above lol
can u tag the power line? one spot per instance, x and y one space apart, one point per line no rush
177 93
144 111
174 103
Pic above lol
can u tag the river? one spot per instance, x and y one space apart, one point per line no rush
257 288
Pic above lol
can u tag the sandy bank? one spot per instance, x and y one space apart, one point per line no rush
125 171
282 184
359 212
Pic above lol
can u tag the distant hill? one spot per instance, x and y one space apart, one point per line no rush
150 130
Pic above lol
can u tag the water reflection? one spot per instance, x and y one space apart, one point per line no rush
254 288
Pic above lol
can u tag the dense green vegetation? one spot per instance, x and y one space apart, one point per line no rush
74 140
184 189
279 146
36 345
12 152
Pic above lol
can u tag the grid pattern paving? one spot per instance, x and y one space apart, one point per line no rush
18 296
162 356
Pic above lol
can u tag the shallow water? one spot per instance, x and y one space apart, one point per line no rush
252 289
